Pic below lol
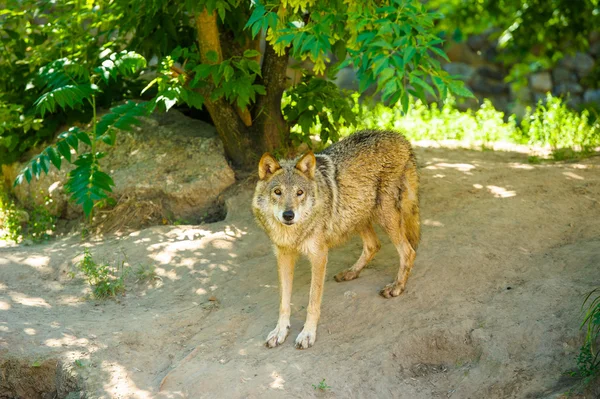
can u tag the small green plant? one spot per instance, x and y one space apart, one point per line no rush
11 219
588 360
106 281
145 272
321 385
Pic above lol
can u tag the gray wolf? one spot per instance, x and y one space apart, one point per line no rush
315 202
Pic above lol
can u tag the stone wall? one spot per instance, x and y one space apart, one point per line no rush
477 61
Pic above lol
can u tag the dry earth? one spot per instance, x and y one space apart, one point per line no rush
491 310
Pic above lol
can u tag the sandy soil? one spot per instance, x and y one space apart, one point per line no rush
491 310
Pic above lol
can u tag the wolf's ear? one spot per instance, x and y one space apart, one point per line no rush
307 164
267 166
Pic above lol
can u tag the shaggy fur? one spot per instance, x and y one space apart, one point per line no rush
316 202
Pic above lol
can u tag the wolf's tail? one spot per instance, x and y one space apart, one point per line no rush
410 214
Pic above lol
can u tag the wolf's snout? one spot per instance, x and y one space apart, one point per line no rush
288 215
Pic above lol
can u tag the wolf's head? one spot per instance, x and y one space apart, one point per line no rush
285 192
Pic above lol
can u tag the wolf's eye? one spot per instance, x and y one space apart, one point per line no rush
300 192
277 191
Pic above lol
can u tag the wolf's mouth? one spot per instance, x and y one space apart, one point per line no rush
288 223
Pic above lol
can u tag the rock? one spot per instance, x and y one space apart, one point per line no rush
460 52
491 72
580 62
568 88
170 159
477 42
574 101
541 82
595 49
592 96
346 79
461 69
563 75
482 85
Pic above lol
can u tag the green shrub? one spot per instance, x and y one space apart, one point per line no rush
588 360
11 219
106 281
567 132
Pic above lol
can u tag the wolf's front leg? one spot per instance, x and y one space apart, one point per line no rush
285 265
318 260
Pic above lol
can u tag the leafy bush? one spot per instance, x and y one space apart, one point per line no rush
34 35
551 124
16 224
588 361
69 85
106 281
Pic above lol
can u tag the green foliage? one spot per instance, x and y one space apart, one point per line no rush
321 385
11 219
70 85
17 224
391 44
567 132
532 34
37 35
588 360
318 102
106 281
553 123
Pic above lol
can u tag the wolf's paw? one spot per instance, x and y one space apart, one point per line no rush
391 290
306 339
277 336
346 275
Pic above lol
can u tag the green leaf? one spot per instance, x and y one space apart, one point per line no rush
409 53
228 73
64 150
404 101
440 52
212 56
251 53
54 157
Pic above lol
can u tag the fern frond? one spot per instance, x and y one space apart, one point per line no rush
121 117
65 96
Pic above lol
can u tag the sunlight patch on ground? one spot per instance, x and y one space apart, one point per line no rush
25 300
278 381
66 340
501 192
572 175
120 384
70 300
37 262
29 331
433 223
4 305
461 167
524 166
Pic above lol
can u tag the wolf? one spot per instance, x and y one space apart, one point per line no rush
317 201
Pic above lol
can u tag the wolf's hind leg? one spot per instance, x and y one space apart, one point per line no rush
402 223
370 247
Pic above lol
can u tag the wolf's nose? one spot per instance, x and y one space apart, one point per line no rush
288 215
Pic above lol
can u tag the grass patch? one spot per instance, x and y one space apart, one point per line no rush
17 224
106 281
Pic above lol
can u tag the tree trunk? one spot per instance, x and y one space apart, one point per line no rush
270 130
246 135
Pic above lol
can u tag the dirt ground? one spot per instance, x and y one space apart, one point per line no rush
491 310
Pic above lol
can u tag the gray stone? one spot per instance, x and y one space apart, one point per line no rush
574 101
568 88
541 82
581 63
485 86
595 49
592 96
491 72
171 160
346 79
563 75
460 68
477 42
